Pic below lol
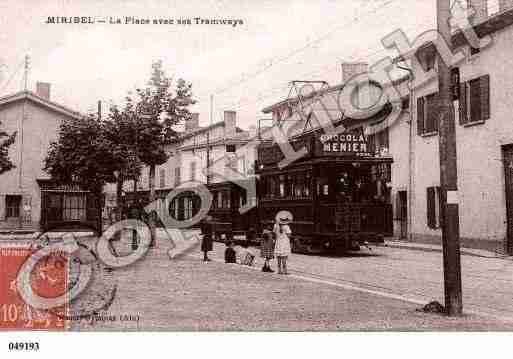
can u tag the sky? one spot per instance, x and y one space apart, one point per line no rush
245 67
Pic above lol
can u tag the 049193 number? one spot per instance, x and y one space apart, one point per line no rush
24 346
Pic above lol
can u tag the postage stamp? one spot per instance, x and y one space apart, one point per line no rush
48 279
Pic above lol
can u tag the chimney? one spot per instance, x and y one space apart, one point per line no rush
230 124
350 69
193 123
43 90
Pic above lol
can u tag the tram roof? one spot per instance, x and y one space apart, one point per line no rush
327 160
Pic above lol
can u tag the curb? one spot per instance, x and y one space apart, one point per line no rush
390 293
433 248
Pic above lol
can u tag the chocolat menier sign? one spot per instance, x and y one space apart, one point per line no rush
353 143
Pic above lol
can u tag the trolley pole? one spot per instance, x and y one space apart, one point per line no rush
448 173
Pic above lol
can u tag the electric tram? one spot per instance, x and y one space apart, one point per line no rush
336 193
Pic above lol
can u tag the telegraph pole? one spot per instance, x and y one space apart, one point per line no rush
208 137
22 121
448 172
25 73
99 110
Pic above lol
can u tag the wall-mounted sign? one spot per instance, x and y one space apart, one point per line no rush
349 143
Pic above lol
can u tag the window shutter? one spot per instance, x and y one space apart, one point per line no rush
463 103
485 97
434 112
431 207
441 207
420 115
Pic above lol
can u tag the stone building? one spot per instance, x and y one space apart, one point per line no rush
222 146
36 119
484 135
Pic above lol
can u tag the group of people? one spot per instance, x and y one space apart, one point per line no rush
275 242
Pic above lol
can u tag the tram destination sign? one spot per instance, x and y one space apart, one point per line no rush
353 143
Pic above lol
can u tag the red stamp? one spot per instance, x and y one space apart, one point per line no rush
48 279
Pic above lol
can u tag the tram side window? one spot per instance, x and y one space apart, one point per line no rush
214 199
220 199
223 199
276 186
323 188
242 198
289 186
273 188
306 188
282 186
267 187
299 185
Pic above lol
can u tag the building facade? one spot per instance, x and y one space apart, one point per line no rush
27 189
225 148
484 136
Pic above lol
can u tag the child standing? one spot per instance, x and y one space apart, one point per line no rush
282 249
267 249
229 253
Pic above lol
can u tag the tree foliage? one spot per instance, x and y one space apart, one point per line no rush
91 152
82 154
6 140
122 131
160 109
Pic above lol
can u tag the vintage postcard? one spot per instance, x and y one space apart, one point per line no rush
255 166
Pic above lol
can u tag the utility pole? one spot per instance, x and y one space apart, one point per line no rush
25 73
21 130
22 120
99 110
208 137
448 172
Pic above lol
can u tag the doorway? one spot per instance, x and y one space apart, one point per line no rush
12 207
402 213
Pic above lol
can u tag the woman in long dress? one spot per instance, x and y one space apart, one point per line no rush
282 247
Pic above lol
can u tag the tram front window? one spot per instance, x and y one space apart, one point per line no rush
355 185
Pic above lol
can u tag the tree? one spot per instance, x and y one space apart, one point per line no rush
122 131
160 110
82 156
6 140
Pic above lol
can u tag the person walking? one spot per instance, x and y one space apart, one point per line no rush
267 249
282 249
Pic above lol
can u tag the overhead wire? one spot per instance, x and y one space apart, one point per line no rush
278 59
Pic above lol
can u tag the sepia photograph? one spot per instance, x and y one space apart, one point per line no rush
333 166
